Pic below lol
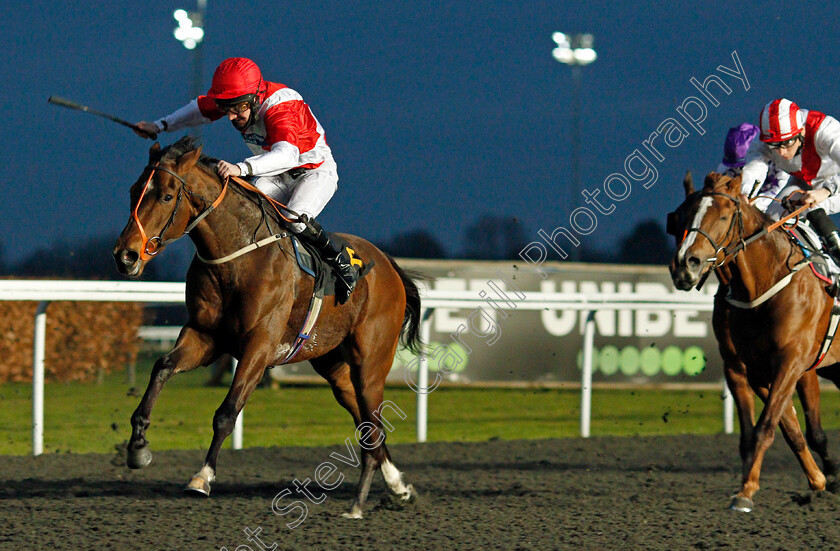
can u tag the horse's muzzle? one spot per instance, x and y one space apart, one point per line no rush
128 262
687 273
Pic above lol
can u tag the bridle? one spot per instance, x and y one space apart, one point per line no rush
729 254
737 218
151 246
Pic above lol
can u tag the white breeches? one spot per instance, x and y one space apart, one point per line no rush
307 194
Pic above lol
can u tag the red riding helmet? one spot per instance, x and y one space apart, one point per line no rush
781 120
237 79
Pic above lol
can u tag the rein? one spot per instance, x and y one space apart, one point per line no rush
275 204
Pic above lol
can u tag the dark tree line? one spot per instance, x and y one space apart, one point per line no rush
501 238
490 237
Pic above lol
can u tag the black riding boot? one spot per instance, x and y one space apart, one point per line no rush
827 230
331 252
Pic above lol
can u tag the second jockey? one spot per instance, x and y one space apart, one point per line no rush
806 145
738 141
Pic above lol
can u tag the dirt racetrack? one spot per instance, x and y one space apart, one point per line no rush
601 493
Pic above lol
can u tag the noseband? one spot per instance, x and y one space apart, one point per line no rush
151 246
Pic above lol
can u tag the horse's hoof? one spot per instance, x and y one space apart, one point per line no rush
355 512
198 485
741 504
138 458
410 494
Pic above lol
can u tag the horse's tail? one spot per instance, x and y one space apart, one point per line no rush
410 337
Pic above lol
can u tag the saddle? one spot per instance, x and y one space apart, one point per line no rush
312 264
821 264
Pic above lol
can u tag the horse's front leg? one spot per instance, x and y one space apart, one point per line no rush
777 402
742 394
248 374
191 350
735 372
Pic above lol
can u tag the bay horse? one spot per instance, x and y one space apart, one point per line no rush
770 334
254 305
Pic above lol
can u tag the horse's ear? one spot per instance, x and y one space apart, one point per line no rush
188 159
154 153
688 183
711 178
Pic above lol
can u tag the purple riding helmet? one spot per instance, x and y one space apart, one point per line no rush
738 140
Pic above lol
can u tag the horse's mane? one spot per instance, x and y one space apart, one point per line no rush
186 144
720 182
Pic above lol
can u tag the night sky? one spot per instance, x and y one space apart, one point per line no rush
437 112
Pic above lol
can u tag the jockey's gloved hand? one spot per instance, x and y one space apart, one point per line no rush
786 203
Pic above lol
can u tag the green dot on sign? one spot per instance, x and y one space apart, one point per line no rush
650 359
595 358
629 360
608 360
694 360
462 353
672 361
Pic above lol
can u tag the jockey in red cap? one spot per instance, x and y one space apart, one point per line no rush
806 145
291 160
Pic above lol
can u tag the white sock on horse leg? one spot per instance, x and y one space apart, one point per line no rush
393 477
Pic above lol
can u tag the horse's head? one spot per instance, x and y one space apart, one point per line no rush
705 225
161 206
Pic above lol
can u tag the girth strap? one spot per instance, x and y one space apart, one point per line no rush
781 284
829 333
308 325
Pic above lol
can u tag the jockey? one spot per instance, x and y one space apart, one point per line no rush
291 161
735 148
806 145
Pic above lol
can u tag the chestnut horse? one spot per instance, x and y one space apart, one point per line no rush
770 348
254 306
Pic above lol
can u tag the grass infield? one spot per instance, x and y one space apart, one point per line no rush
94 418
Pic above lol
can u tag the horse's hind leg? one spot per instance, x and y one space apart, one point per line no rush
336 371
371 361
808 389
191 350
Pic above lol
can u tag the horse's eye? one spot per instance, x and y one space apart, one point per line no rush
167 198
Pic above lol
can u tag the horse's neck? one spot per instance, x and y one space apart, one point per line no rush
235 223
764 261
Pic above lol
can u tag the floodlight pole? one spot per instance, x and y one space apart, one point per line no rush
576 51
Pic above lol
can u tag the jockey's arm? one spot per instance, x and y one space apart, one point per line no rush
201 110
282 157
282 132
755 169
